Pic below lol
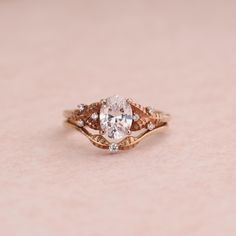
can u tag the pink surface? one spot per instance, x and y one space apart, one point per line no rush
179 56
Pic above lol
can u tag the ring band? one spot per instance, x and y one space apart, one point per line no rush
115 123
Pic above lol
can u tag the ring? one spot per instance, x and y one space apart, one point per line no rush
115 123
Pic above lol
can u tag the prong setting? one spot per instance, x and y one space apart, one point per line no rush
80 123
81 107
103 101
101 132
151 126
129 100
113 148
129 132
94 116
151 110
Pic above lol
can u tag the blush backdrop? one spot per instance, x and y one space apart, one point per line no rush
179 56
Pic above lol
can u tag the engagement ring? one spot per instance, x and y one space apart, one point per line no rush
115 123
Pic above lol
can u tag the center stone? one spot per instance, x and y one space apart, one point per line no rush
116 117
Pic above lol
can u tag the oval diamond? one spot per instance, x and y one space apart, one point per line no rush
116 117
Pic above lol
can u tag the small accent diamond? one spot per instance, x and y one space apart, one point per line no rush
94 116
80 123
151 110
150 126
81 107
113 147
136 117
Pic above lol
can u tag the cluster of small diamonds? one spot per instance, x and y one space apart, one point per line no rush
80 122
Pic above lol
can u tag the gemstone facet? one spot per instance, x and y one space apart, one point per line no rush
116 117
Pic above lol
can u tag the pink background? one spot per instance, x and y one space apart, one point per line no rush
179 56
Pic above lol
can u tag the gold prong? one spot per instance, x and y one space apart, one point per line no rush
129 100
103 101
101 132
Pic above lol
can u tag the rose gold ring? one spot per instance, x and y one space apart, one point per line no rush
115 123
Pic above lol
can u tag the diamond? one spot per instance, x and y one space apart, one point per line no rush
136 117
94 116
151 126
113 147
116 117
80 123
81 107
151 110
